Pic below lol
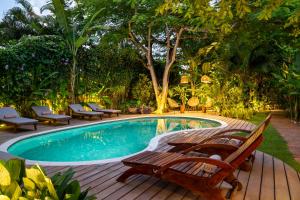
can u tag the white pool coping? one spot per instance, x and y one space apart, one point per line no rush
151 146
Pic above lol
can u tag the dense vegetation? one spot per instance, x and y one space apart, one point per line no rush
133 53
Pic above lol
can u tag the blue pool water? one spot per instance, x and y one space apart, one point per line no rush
102 141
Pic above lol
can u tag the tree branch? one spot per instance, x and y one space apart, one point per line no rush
134 39
174 51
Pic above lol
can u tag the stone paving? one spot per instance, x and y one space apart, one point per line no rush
290 131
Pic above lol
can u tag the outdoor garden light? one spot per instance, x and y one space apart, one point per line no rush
205 79
184 79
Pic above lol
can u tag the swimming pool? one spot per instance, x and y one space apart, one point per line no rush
102 142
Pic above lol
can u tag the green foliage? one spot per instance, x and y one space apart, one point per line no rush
250 49
32 70
110 67
18 182
143 90
179 91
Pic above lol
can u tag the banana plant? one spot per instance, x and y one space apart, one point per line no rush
74 33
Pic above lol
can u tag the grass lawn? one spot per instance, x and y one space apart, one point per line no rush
274 144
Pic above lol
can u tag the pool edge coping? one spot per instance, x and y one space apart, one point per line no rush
152 145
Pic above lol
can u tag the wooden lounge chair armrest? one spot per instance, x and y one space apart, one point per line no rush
210 145
233 130
218 163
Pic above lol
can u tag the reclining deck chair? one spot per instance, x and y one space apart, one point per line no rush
221 143
78 110
44 113
97 108
10 116
201 175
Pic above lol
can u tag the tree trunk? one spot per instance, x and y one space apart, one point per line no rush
170 59
72 80
162 101
160 96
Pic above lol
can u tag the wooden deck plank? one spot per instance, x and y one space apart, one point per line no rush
140 189
178 194
154 189
253 192
243 177
281 185
293 182
118 190
267 185
165 193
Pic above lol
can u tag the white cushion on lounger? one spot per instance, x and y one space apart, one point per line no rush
211 168
235 142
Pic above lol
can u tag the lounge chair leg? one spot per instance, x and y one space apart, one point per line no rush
35 128
246 166
127 174
235 184
68 121
233 181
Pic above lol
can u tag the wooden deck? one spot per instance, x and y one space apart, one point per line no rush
269 179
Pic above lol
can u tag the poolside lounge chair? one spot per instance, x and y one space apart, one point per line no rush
96 108
44 113
220 143
78 110
201 175
10 116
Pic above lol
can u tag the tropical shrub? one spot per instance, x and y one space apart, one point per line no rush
20 183
110 67
143 90
32 70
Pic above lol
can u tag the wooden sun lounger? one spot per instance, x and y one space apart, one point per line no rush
10 116
78 110
220 143
190 171
97 108
44 113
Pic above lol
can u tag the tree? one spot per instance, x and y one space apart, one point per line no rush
22 20
75 30
157 30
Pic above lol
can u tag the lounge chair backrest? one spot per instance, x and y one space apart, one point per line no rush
41 110
250 145
76 107
262 126
93 106
8 111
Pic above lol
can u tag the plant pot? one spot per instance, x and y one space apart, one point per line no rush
203 108
182 108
